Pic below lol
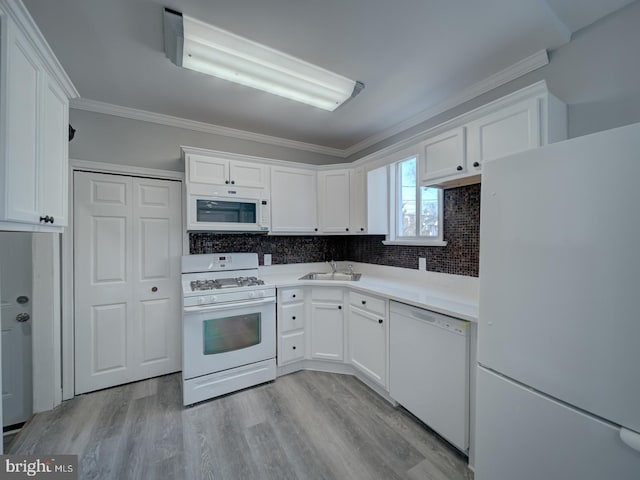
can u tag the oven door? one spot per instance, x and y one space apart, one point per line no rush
220 337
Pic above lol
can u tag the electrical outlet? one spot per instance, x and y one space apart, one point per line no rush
267 259
422 263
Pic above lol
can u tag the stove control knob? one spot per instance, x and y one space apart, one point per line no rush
202 300
252 294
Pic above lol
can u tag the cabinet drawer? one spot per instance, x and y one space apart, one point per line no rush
327 293
288 295
292 317
368 303
292 348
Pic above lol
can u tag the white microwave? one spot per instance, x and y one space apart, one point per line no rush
228 213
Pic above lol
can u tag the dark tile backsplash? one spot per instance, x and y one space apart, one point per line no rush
460 256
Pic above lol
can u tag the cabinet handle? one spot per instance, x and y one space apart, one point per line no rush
476 164
293 318
294 347
47 219
315 229
347 229
380 320
154 289
364 302
51 220
226 182
339 307
361 229
293 296
459 168
233 182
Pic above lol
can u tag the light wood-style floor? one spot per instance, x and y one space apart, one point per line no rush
307 425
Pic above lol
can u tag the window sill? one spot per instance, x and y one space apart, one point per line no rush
416 243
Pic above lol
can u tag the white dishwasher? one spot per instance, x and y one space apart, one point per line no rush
429 369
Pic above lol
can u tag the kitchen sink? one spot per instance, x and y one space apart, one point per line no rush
350 277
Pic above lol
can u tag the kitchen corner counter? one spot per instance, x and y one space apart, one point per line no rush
452 295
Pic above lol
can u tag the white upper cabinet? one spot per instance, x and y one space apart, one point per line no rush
34 127
293 200
529 118
358 200
443 155
334 201
221 171
509 130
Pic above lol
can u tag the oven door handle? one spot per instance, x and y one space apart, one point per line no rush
225 306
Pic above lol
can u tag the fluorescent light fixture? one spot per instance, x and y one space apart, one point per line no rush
192 44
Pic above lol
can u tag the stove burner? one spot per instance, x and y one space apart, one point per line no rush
197 285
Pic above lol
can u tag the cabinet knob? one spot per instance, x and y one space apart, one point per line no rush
294 347
459 168
476 164
51 220
361 229
293 318
226 182
233 182
347 229
315 229
154 289
379 320
339 307
293 296
46 219
364 302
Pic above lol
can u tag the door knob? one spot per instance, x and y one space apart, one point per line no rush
22 317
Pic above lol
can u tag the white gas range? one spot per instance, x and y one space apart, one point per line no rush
229 322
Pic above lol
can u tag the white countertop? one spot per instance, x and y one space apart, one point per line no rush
452 295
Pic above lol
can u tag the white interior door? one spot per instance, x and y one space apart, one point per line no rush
127 243
15 283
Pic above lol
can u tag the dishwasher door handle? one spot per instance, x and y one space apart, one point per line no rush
423 316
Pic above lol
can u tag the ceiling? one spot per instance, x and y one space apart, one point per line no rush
412 55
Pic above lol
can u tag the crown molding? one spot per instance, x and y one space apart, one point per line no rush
162 119
502 77
25 23
517 70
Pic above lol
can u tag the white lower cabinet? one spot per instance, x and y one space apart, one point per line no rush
368 344
291 347
327 331
291 325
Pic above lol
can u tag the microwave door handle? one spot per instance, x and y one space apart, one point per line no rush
226 306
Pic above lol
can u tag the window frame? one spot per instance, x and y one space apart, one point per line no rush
393 237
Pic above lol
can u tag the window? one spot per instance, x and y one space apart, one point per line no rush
416 210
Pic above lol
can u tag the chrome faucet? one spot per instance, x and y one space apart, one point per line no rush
334 266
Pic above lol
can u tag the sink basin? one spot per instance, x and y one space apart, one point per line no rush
350 277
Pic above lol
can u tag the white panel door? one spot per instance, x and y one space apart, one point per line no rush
15 282
127 241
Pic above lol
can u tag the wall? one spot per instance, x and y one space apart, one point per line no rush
460 256
110 139
597 74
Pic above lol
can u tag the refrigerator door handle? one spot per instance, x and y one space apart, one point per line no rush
630 438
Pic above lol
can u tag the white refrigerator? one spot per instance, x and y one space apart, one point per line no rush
558 380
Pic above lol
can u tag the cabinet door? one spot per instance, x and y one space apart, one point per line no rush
54 158
24 77
367 343
509 130
333 201
208 170
357 201
327 335
244 174
291 348
293 200
291 317
443 155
